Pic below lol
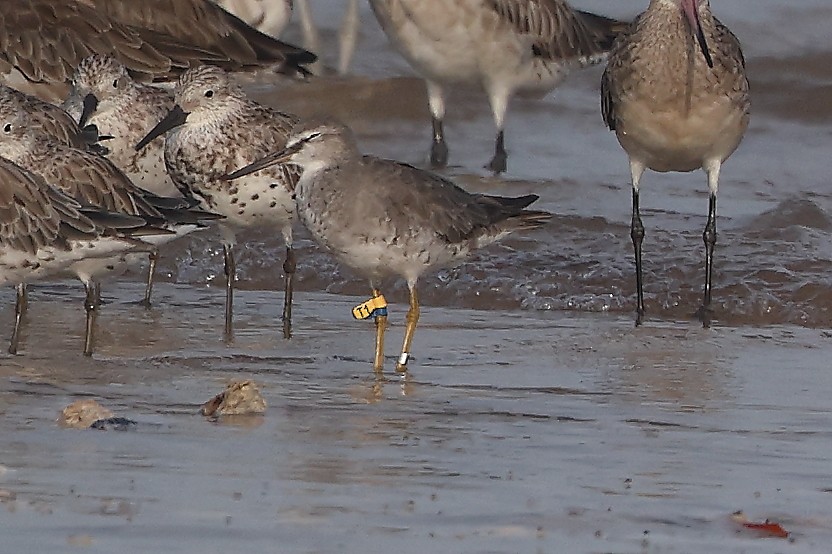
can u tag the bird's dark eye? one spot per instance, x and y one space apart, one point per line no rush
115 83
209 93
7 128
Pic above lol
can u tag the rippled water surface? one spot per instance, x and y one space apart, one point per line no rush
773 254
516 431
536 417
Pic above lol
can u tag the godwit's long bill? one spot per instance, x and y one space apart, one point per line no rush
676 94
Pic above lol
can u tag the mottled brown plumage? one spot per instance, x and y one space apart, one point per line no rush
42 41
557 31
87 177
204 24
104 95
47 117
676 94
44 232
213 129
93 180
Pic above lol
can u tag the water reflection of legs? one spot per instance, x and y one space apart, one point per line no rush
406 383
375 391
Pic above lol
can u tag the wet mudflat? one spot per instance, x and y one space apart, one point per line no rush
515 432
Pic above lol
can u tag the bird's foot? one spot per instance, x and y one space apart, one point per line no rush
144 302
705 314
401 364
498 163
639 318
438 154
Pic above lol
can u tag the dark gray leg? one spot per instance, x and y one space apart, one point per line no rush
709 236
438 148
498 162
230 273
289 267
637 234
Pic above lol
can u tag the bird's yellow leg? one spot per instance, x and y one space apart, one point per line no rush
412 320
381 326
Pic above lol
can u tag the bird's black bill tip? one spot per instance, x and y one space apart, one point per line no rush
90 104
703 45
176 117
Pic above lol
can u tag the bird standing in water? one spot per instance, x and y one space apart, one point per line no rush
503 46
675 92
213 129
385 218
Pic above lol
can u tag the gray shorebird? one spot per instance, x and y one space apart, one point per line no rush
676 94
43 232
106 96
95 181
384 218
157 40
212 130
503 46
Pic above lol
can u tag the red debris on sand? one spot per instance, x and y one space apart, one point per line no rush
765 528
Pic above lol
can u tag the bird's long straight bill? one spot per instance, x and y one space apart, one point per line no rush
176 117
281 156
692 14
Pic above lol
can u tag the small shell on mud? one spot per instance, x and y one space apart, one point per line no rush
238 398
83 413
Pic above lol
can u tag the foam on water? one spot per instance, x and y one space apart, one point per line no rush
773 252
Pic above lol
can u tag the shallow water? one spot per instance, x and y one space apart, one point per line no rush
536 418
516 431
773 251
